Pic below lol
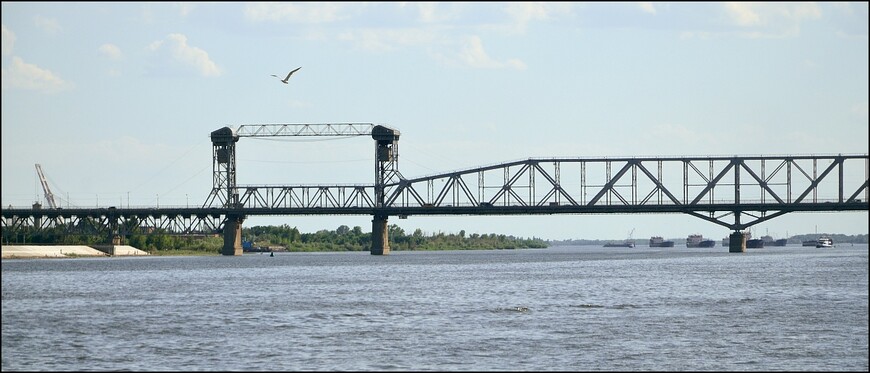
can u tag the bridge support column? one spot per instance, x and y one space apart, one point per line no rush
737 242
232 236
114 236
380 238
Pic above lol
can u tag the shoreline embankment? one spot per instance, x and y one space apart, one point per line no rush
67 251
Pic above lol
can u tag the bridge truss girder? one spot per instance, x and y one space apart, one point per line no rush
735 192
108 222
225 192
748 190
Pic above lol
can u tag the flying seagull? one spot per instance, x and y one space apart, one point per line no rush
288 75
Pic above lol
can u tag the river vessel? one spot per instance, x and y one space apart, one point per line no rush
769 241
625 243
697 240
658 241
755 243
824 242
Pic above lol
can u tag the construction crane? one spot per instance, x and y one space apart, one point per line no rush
49 197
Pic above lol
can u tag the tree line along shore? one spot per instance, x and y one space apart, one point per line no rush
290 239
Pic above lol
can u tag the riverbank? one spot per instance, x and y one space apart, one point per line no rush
64 251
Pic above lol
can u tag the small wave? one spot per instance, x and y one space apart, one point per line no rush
624 306
615 306
514 309
353 314
589 306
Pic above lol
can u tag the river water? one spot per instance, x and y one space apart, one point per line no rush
561 308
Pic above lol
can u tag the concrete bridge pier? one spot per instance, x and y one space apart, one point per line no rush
114 238
737 242
380 237
233 236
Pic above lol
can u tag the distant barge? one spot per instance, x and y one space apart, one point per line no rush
657 241
697 240
620 244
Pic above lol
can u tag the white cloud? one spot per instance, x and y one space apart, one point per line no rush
180 52
306 13
48 25
850 18
473 55
155 45
428 12
110 50
524 13
647 7
757 20
743 14
27 76
193 56
8 41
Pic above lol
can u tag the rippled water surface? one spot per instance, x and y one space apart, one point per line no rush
562 308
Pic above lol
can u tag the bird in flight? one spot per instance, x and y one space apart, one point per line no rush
288 75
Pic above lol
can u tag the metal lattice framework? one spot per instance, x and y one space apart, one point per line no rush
771 180
225 192
108 221
736 192
711 188
325 129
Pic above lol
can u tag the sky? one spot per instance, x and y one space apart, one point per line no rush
116 100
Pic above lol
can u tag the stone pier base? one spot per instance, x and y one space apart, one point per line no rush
232 237
380 237
737 242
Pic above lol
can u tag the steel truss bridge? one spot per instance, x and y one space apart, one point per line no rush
736 192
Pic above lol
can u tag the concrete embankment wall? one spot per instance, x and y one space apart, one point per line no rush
64 251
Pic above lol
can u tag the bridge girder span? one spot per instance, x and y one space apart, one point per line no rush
745 190
711 188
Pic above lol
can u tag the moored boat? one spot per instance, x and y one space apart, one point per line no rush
769 241
658 241
755 243
628 242
697 240
625 243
